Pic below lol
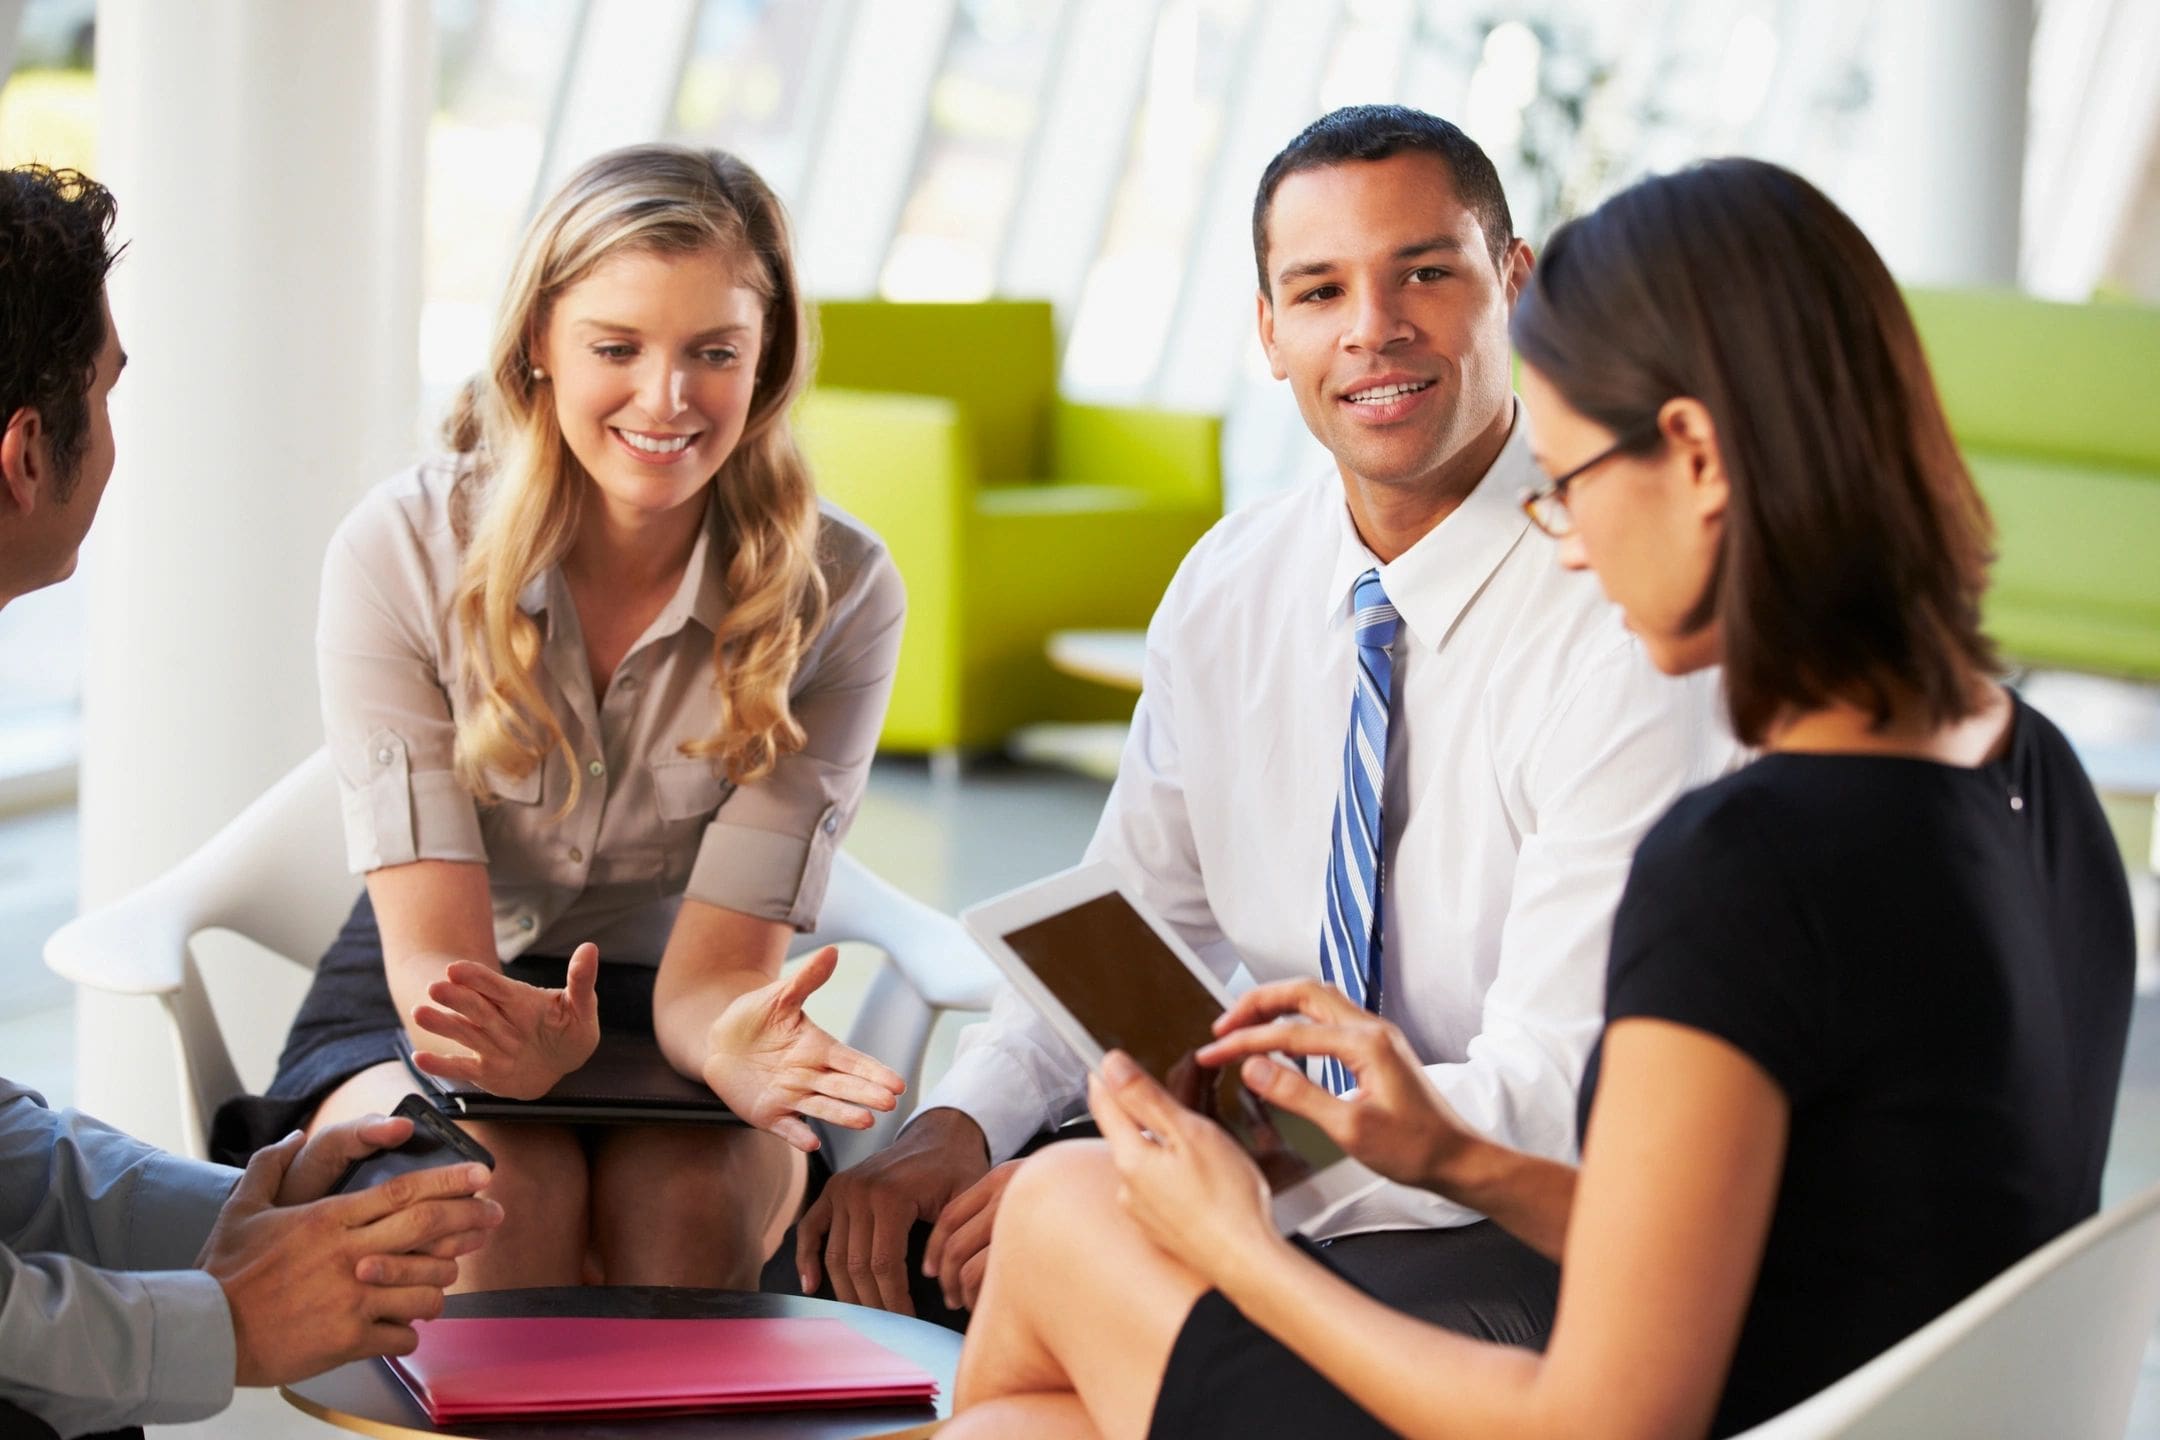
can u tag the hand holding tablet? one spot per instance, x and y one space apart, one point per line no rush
1107 976
1397 1122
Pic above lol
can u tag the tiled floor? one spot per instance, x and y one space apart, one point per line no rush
949 843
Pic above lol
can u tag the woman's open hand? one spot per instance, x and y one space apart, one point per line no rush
520 1038
773 1067
1395 1121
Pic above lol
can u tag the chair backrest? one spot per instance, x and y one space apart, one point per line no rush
997 358
2051 407
2052 1346
277 872
2037 377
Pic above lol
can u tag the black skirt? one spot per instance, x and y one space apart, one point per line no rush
1228 1377
349 1023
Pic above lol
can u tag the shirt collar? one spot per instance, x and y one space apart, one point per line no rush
1433 582
701 595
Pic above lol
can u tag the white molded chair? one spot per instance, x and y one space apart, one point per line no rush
2051 1347
276 875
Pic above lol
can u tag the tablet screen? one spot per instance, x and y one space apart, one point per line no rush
1131 992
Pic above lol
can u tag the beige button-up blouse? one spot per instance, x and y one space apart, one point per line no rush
651 824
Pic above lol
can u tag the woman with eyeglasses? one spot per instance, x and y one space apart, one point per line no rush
1867 997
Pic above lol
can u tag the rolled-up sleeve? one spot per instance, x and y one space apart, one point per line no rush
386 715
769 850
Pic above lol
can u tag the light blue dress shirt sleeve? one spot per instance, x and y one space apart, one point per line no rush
103 1322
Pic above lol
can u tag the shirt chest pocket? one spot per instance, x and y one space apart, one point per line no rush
687 791
507 789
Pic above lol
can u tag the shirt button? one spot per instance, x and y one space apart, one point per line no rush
576 855
628 682
384 755
525 922
832 824
596 769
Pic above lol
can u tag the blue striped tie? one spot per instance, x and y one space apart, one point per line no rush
1350 934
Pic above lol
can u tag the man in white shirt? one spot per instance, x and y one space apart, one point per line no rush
1527 743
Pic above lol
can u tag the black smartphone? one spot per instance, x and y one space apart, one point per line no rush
435 1140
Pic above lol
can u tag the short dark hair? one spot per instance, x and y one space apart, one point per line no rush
55 250
1374 132
1855 547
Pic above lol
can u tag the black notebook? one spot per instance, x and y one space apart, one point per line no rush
627 1082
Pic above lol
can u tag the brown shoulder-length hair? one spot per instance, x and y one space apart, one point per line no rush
1855 547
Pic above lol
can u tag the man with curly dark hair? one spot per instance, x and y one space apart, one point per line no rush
137 1286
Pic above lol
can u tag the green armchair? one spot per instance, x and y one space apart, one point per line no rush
1010 512
2053 407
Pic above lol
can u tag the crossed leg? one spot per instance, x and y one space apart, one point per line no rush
1079 1309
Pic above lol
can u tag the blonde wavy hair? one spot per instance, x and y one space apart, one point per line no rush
520 490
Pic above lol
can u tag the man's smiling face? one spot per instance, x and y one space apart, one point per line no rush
1387 314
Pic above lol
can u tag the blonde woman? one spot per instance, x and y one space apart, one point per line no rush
602 688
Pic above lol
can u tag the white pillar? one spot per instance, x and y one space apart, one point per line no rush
268 162
1948 186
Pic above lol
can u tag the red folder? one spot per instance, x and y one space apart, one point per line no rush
466 1369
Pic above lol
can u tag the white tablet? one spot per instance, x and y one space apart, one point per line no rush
1109 975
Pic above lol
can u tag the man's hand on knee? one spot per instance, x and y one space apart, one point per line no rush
858 1231
313 1285
959 1250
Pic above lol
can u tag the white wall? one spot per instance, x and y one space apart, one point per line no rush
267 160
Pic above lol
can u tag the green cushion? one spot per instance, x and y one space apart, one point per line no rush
2033 376
2052 406
998 358
2076 581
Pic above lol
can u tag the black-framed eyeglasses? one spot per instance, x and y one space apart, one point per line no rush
1546 504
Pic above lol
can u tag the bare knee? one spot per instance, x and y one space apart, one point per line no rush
673 1182
373 1091
1061 1188
541 1178
696 1206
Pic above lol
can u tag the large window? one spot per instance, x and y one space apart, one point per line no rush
1132 286
500 71
983 109
754 83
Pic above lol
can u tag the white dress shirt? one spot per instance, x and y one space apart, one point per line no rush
1530 745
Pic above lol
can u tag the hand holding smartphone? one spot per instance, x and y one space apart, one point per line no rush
435 1140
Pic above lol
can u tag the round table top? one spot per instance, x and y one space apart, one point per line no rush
1109 657
365 1397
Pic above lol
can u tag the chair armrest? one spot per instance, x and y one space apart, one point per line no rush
932 951
135 947
1172 455
934 965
